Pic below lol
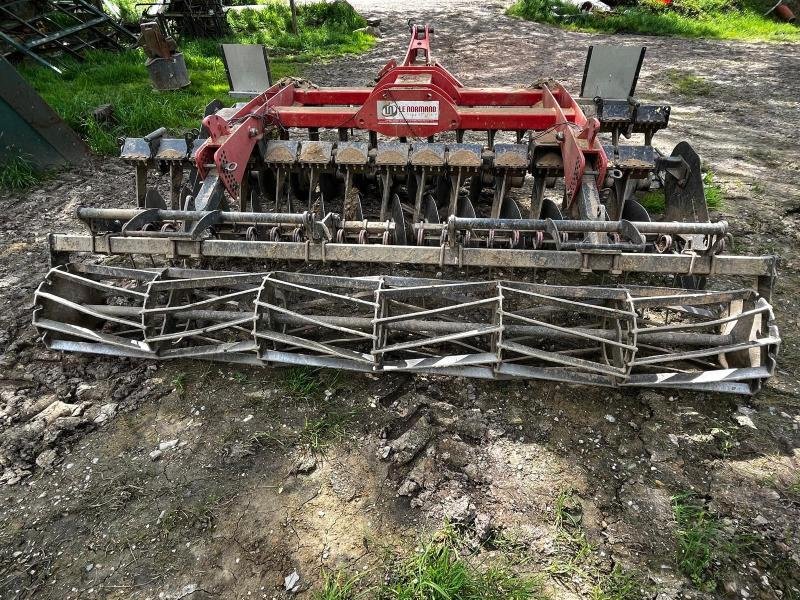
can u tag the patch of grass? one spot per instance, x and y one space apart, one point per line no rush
18 173
121 79
654 201
714 194
339 586
687 84
438 571
721 19
698 537
619 585
302 381
577 560
321 431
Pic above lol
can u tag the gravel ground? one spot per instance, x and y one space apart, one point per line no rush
120 479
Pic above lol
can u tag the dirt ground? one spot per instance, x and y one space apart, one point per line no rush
121 479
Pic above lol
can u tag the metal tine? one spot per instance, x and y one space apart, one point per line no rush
735 374
569 331
323 302
563 360
587 294
91 283
648 360
434 311
441 363
222 348
568 375
297 286
85 310
206 282
122 272
331 281
293 341
445 318
438 340
690 298
201 303
428 290
589 308
89 334
700 325
644 291
308 319
102 349
200 330
706 364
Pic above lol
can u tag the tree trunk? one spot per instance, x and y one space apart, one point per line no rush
294 16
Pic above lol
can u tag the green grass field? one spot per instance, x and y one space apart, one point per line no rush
721 19
120 78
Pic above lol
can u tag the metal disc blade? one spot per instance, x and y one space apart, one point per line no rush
351 208
465 209
510 209
550 210
430 213
633 211
686 203
400 238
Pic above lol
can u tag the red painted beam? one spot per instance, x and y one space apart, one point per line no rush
468 96
480 118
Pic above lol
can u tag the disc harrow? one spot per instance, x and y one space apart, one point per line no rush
419 170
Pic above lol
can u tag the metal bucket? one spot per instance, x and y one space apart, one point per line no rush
168 73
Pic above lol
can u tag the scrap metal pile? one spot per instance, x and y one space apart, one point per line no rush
46 31
408 173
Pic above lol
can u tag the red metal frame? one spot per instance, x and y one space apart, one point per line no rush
410 101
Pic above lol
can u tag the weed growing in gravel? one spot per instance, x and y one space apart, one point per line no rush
687 84
302 381
578 559
18 173
340 586
438 571
179 382
698 538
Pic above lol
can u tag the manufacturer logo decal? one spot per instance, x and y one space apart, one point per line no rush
408 111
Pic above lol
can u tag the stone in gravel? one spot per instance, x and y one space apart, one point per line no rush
408 445
46 459
424 475
168 445
471 424
56 410
460 511
483 527
155 454
291 580
745 421
304 465
106 412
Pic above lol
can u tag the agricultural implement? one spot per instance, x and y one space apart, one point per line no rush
416 175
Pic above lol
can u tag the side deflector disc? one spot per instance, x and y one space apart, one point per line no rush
687 202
